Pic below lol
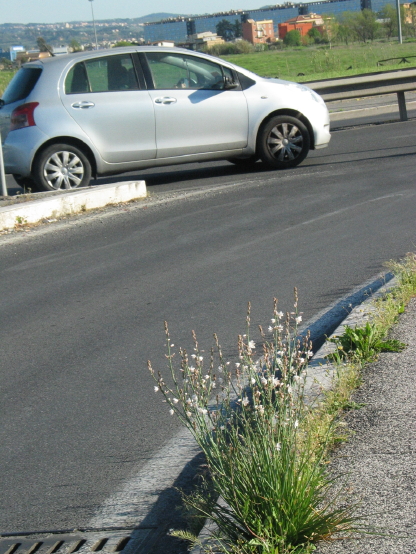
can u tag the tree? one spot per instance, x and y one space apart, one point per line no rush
363 25
293 38
331 26
75 46
389 16
43 46
314 35
122 43
238 29
226 30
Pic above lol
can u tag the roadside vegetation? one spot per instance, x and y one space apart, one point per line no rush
5 78
309 63
266 441
351 44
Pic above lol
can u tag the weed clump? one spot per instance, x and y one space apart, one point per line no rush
269 491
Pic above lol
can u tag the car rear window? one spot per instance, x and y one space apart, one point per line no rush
22 84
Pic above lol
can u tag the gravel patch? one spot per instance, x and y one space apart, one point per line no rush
379 460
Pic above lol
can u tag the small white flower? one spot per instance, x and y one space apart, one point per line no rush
175 400
191 368
156 389
252 344
298 319
237 365
206 377
245 401
193 356
278 447
289 389
172 345
214 385
189 414
200 358
263 381
273 320
280 315
253 381
296 424
270 328
202 411
171 412
279 328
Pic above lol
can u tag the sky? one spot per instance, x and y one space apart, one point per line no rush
57 11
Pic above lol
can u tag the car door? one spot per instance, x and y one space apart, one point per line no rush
103 95
194 112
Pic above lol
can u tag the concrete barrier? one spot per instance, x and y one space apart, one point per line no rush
71 202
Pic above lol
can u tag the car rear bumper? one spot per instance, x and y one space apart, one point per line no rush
19 149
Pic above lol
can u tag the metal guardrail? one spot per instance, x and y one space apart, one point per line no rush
371 84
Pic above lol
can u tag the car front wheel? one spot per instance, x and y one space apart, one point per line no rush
61 166
283 142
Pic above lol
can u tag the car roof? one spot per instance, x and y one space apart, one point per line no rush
63 59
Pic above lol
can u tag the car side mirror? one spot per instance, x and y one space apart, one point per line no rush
229 83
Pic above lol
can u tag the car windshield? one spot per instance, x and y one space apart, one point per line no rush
21 85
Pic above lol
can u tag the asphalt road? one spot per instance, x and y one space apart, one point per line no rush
84 301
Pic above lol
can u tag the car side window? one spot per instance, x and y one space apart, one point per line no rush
106 74
170 71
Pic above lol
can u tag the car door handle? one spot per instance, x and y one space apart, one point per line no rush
165 100
83 105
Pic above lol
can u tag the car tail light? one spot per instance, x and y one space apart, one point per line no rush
23 116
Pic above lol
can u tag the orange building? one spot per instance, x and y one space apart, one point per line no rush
258 31
301 23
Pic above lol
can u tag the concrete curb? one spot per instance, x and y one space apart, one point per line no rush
320 375
70 202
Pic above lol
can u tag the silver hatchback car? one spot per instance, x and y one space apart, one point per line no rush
67 118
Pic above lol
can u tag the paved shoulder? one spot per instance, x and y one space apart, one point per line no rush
380 458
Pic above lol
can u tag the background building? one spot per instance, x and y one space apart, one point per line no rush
258 31
301 23
178 29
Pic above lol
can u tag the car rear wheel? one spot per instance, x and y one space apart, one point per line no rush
60 167
283 142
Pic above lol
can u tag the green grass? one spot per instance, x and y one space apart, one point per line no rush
5 78
324 62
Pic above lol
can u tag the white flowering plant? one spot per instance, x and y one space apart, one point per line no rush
268 491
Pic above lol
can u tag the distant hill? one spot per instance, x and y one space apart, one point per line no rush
157 17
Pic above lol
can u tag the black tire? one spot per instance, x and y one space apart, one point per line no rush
27 184
61 166
283 142
244 162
